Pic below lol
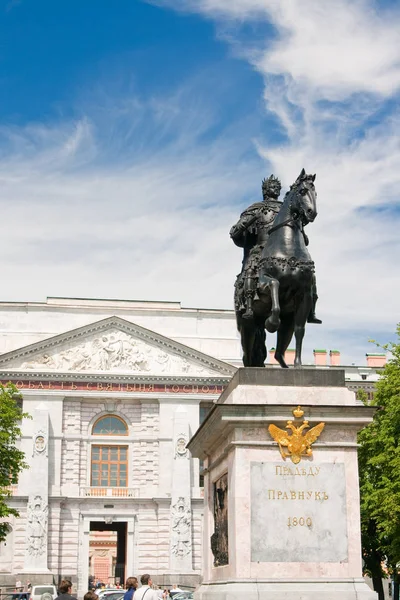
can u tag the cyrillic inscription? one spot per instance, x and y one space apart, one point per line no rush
298 513
297 495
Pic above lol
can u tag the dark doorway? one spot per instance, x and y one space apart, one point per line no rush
107 553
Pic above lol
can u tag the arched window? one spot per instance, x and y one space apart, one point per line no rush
110 425
109 463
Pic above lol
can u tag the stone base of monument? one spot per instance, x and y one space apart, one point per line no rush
353 589
281 495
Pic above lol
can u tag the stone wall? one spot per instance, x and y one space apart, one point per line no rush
147 534
19 526
163 536
69 541
71 421
70 458
197 524
54 537
143 420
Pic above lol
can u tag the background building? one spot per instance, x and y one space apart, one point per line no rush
116 389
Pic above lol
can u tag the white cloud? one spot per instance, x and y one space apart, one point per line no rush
335 49
331 73
331 48
136 206
131 202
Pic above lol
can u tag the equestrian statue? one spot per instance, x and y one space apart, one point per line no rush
276 288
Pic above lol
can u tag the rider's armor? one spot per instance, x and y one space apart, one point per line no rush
250 233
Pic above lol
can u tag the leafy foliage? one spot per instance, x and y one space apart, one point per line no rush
12 460
379 467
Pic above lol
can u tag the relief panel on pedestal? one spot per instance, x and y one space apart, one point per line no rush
219 539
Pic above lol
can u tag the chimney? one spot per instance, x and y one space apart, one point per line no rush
376 360
334 357
272 360
320 357
289 356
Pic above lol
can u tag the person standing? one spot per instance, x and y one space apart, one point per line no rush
64 590
131 586
145 592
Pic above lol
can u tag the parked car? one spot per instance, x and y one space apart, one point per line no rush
183 596
113 595
102 594
43 592
16 596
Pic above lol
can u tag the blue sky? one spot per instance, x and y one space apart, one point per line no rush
132 134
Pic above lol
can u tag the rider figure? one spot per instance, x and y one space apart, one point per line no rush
251 233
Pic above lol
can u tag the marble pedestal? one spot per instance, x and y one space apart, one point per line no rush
293 529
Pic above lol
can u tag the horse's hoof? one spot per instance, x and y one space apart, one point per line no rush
272 325
281 361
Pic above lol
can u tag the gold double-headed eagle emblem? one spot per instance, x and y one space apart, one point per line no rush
295 444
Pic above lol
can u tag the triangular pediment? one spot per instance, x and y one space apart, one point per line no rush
114 345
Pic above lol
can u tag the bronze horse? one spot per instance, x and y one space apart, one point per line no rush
286 273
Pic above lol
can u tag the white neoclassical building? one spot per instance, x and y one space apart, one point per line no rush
115 390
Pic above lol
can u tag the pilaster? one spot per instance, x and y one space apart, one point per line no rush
36 545
181 560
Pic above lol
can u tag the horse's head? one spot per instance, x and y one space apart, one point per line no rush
304 198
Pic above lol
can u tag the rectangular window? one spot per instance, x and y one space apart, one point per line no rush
109 466
204 410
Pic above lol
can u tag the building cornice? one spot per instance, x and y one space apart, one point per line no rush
138 378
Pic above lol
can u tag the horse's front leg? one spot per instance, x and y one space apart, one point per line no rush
265 284
300 319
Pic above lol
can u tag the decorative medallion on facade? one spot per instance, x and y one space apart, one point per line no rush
181 543
39 443
180 447
295 444
37 526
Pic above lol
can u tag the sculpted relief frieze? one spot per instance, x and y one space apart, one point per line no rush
114 351
181 538
37 526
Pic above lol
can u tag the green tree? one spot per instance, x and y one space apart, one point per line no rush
11 458
379 468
